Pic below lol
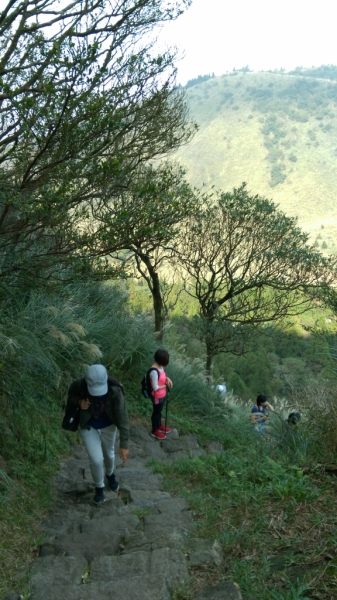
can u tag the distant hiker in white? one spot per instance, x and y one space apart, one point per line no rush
220 389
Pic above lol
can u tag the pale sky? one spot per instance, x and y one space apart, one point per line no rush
218 35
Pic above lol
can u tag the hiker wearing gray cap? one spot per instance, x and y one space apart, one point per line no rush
102 410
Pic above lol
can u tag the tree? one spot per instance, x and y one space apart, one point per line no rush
247 264
167 199
84 102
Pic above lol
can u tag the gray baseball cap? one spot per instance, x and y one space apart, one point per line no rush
96 377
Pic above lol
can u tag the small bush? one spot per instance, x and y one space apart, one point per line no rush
318 407
277 176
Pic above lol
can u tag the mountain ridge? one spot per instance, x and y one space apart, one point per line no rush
277 132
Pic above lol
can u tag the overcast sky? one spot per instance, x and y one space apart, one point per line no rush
218 35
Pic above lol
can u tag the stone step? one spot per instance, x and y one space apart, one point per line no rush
137 545
138 588
166 563
140 479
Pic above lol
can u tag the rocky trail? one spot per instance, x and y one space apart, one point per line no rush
140 544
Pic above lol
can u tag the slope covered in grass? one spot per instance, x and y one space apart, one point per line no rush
277 132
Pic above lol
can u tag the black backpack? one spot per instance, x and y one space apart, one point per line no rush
145 383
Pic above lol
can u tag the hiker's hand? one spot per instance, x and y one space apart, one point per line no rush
84 404
169 382
124 453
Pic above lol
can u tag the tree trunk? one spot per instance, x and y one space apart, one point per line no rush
153 282
158 307
209 363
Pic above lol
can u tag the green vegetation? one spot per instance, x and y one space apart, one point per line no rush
280 139
199 79
322 72
266 493
273 515
88 113
247 264
82 116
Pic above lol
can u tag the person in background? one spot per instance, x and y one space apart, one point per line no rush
221 389
102 410
259 413
160 384
293 419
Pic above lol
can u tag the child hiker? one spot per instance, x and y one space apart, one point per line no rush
160 384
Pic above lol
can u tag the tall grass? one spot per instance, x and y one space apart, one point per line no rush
45 343
318 407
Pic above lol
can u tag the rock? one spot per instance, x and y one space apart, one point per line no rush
195 453
179 454
174 435
215 447
110 524
143 497
155 449
137 588
171 505
140 479
74 476
139 435
190 442
79 452
172 445
201 552
136 541
52 571
166 561
223 591
88 545
66 522
169 522
136 451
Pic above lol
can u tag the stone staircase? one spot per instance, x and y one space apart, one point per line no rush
140 544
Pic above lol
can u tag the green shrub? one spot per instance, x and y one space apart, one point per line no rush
278 176
311 134
318 407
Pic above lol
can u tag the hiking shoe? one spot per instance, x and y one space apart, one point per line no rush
158 434
99 495
164 429
113 483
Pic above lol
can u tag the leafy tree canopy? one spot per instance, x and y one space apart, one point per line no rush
247 263
84 102
164 196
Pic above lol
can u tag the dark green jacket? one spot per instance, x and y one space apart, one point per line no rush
115 407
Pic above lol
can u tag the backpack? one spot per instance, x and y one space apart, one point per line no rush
145 384
71 419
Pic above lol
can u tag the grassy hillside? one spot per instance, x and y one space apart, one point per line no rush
277 132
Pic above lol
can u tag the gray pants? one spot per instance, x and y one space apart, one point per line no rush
100 445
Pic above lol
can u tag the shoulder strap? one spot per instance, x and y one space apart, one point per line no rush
148 375
116 383
83 388
152 369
